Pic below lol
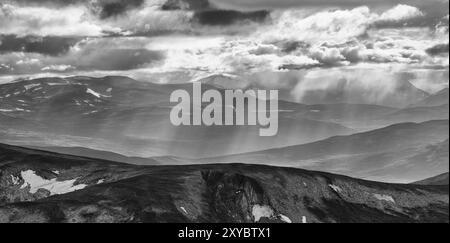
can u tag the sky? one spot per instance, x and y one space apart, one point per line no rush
170 41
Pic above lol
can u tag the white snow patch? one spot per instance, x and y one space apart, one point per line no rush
304 219
57 84
98 95
384 197
53 186
90 112
13 110
335 188
184 210
56 172
285 218
30 86
100 181
261 211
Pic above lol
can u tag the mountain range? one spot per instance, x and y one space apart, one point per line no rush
124 120
398 153
134 116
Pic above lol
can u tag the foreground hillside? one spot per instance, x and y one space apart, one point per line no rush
37 186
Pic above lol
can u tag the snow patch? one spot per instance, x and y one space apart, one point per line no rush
335 188
261 211
100 181
304 219
57 84
285 218
90 112
30 86
98 95
55 187
184 210
14 110
384 197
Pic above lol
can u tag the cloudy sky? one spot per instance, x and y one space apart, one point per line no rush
186 40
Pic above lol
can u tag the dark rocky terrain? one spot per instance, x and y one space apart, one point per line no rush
38 186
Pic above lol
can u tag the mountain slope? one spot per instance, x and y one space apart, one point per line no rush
98 154
417 114
437 99
135 116
40 186
441 179
400 94
386 154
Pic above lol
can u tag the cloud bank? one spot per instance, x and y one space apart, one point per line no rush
186 40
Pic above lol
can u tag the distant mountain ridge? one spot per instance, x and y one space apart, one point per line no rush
386 154
442 179
399 94
438 99
127 112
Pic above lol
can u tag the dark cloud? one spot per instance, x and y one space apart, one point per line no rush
299 66
438 49
228 17
291 46
48 45
110 8
87 57
186 5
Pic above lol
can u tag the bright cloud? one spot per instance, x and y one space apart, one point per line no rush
168 45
